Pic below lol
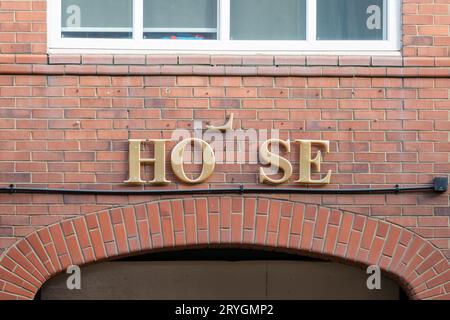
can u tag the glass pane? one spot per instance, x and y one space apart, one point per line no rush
97 18
350 20
180 19
268 20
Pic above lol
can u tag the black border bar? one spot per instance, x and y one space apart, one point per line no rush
439 185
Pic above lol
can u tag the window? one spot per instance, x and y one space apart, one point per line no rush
223 25
89 19
180 19
268 20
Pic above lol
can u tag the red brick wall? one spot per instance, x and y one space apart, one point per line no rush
425 29
224 221
72 131
65 119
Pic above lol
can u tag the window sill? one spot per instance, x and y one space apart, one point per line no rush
305 53
226 65
257 60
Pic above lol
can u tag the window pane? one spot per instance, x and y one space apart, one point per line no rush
268 20
180 19
97 18
350 20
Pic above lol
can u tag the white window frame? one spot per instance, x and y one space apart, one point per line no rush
57 44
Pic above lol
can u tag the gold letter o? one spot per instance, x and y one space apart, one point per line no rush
209 160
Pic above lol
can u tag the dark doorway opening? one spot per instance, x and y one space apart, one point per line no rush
225 273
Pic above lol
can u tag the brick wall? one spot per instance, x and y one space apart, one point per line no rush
65 119
72 131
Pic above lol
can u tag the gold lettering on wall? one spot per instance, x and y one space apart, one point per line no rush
209 160
275 160
225 127
159 162
306 163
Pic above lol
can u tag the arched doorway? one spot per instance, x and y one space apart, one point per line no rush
220 274
248 222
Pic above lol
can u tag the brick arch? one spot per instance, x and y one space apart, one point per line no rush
252 221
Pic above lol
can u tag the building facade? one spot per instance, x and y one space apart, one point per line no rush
377 109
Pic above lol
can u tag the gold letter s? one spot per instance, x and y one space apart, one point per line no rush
276 160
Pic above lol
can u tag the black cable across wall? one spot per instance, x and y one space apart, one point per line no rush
439 185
